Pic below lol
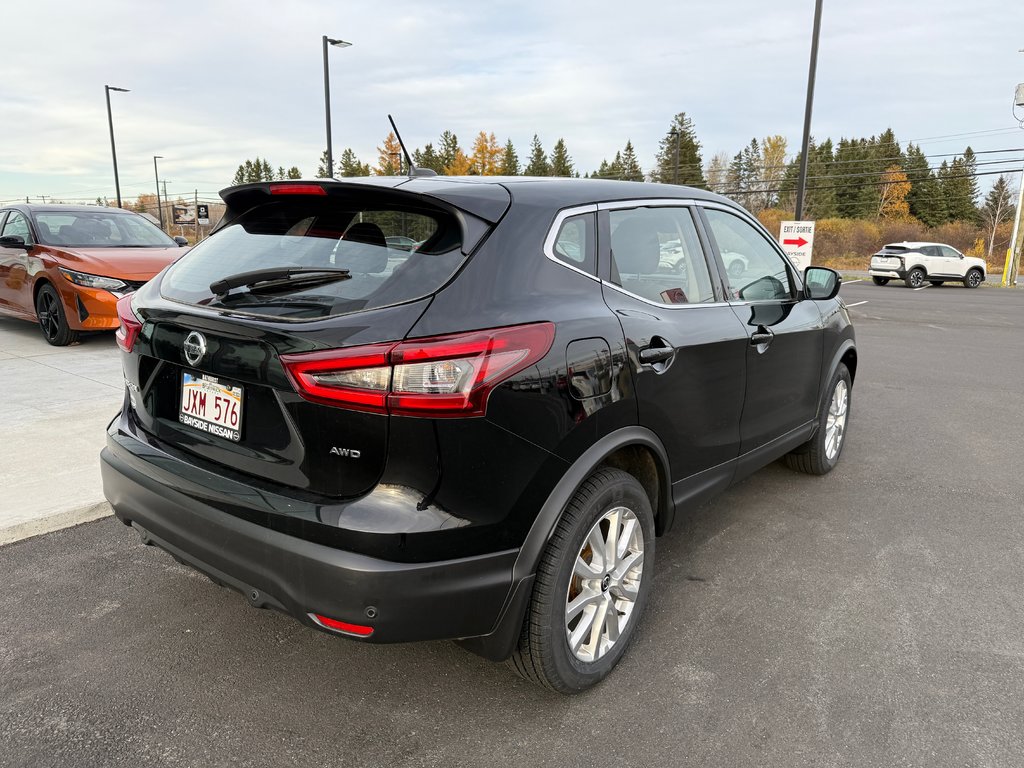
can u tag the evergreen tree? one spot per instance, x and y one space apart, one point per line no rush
349 165
960 188
321 169
561 163
856 193
538 165
448 148
925 198
690 167
428 158
510 160
294 173
631 170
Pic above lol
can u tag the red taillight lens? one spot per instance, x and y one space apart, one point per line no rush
297 189
440 376
130 327
342 626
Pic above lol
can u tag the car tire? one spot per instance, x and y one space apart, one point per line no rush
52 320
608 500
880 280
820 454
973 278
935 283
915 278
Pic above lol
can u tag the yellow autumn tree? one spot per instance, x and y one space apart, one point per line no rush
459 166
389 157
892 202
486 157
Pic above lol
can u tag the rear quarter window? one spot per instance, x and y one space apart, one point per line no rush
392 255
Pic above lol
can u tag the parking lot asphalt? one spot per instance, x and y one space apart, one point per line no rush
872 617
57 402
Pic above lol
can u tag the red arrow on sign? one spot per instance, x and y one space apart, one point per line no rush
799 242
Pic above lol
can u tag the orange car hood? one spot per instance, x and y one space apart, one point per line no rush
121 263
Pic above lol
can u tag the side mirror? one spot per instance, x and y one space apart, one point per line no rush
13 241
821 283
181 241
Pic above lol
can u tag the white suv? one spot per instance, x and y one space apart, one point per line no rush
914 263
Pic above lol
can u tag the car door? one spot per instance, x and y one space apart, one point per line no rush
686 348
784 335
952 262
15 290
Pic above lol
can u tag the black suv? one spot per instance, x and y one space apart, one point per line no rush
478 437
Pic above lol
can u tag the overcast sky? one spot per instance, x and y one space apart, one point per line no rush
215 82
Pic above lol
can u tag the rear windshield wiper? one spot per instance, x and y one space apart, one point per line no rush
277 275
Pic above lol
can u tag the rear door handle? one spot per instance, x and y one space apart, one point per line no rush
651 355
761 336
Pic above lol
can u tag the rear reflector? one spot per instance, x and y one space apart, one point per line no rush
342 626
297 189
130 327
440 376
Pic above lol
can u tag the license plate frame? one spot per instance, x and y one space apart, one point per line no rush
209 405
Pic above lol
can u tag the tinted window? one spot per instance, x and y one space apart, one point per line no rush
656 254
100 228
949 253
17 225
930 250
370 243
756 270
574 243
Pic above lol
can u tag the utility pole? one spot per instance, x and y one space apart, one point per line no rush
675 135
159 208
164 182
801 182
1012 261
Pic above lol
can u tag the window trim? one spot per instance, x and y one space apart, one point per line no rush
556 227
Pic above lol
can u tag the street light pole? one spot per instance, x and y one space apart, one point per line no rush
676 177
113 152
327 100
801 182
159 208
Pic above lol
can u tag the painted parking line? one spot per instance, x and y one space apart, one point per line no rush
856 304
921 288
850 282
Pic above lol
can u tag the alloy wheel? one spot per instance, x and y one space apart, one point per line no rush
605 584
835 425
49 315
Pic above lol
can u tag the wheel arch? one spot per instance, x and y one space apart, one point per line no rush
636 450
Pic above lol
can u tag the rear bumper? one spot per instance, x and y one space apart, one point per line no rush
472 597
897 274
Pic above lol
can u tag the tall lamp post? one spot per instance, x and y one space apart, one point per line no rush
801 182
327 100
159 208
113 152
674 133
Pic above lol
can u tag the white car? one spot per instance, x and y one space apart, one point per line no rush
917 263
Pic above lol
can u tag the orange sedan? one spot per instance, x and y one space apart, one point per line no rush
65 266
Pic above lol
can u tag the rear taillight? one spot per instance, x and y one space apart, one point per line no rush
128 330
439 376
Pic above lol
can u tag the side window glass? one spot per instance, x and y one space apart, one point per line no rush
656 255
948 252
931 251
756 271
17 225
575 243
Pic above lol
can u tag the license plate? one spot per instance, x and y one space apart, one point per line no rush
210 406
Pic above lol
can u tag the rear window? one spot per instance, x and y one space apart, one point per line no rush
391 255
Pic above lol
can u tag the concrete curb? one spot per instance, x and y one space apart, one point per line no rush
55 522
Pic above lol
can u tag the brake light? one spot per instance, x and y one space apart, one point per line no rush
440 376
297 189
130 327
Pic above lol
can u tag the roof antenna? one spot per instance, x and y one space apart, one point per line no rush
413 170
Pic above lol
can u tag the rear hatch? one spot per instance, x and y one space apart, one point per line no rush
889 256
265 350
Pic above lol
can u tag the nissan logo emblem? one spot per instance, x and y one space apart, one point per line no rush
194 347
